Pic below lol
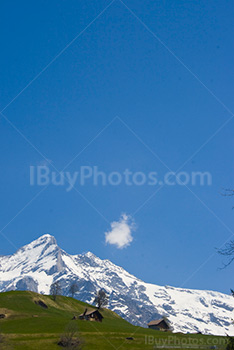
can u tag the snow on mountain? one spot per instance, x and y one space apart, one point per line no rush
37 265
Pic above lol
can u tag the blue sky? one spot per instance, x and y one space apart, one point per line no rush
145 86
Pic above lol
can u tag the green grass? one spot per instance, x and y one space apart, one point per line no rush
30 327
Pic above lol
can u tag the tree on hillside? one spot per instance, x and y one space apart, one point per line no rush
232 292
70 339
55 289
101 299
230 343
73 289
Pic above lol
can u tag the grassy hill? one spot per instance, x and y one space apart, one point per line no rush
30 326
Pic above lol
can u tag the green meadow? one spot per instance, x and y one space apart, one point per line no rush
29 326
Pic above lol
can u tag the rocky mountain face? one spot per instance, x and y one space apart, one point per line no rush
37 265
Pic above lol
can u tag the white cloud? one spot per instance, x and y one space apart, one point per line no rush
121 232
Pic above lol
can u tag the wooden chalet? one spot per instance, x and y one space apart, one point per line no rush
159 325
91 315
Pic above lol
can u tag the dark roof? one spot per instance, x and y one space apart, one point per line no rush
90 312
157 322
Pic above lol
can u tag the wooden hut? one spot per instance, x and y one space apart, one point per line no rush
91 315
159 325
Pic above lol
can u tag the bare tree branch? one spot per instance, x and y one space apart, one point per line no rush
228 192
227 251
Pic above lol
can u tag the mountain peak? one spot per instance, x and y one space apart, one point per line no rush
46 238
39 245
39 264
90 255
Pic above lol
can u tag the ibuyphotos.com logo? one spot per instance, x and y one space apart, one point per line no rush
42 175
188 342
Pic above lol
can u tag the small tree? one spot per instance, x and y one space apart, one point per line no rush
232 292
101 299
70 339
55 290
73 289
230 344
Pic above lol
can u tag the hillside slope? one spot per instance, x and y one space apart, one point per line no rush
29 326
35 266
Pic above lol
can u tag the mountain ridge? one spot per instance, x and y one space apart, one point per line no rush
38 264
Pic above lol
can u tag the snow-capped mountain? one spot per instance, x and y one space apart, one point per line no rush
37 265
